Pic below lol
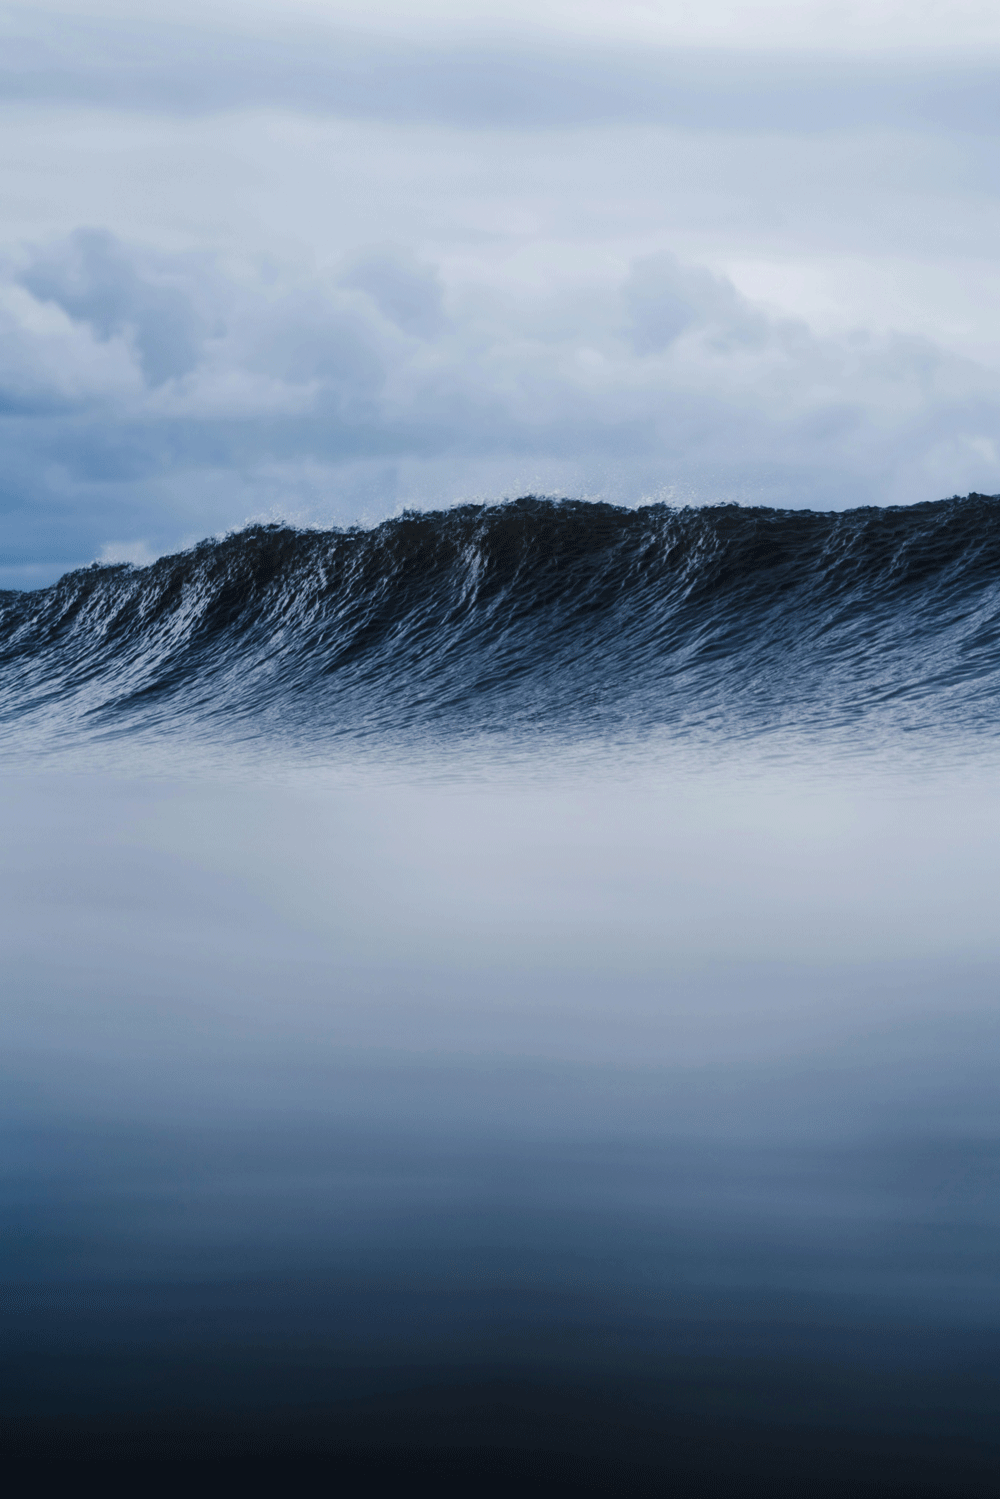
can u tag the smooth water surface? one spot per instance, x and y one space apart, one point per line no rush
630 1123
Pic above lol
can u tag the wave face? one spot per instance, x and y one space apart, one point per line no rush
536 615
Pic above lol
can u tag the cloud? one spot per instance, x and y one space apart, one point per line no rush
519 75
665 299
856 26
320 260
94 282
407 292
129 414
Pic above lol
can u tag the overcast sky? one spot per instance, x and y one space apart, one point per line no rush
305 260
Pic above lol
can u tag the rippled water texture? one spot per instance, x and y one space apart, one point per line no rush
568 619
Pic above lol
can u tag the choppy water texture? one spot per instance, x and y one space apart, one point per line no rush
567 618
588 1115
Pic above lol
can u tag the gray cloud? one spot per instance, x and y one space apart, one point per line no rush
169 65
407 292
332 272
346 395
96 283
665 299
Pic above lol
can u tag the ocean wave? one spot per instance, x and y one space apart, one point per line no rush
532 616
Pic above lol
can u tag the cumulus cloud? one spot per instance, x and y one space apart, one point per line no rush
665 299
407 292
96 283
154 398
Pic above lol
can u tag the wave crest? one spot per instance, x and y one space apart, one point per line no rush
534 615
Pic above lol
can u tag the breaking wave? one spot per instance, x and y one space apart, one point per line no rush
531 617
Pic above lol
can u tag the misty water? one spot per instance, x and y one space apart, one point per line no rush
329 1097
506 1111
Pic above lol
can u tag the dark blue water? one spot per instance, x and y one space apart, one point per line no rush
507 1002
564 619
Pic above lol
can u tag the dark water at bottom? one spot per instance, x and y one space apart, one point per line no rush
613 1131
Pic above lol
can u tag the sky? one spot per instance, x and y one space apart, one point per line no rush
321 261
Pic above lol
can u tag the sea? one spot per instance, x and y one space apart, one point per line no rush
507 1001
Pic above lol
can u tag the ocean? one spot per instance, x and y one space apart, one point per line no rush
508 1001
